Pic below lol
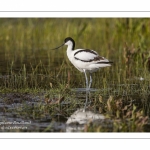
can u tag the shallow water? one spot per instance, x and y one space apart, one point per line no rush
14 116
11 121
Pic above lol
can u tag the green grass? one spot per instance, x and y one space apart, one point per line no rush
29 66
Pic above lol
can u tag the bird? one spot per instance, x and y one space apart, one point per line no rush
85 60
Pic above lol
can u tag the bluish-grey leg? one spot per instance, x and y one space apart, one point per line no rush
87 87
87 92
90 81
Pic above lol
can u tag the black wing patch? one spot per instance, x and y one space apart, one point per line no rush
109 62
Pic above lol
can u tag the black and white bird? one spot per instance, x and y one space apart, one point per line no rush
85 60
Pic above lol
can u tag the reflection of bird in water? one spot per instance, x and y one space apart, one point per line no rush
79 118
83 117
85 60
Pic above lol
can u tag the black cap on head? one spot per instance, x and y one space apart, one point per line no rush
70 39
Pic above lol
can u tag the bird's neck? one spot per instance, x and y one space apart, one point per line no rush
69 51
70 47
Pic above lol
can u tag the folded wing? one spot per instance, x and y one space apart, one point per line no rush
86 55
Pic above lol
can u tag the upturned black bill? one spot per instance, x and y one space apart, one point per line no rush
58 47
